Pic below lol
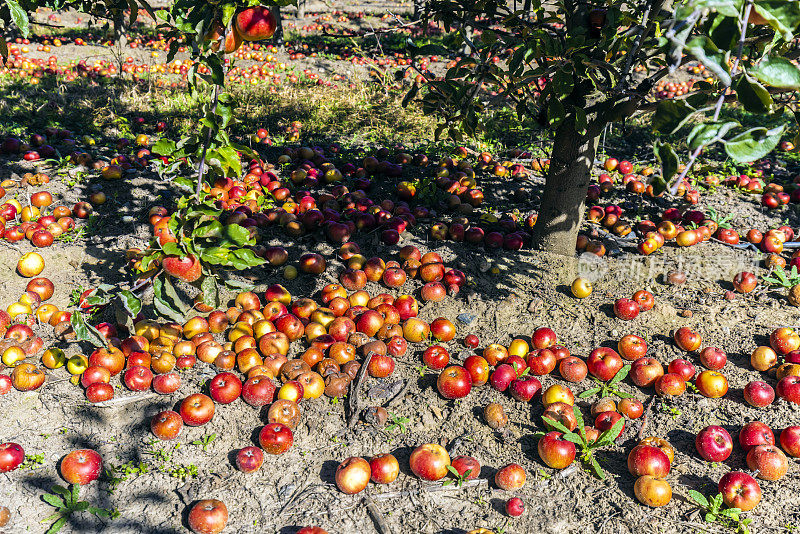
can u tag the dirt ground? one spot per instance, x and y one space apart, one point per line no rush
297 488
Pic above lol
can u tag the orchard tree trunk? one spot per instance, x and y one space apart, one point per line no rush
561 211
278 36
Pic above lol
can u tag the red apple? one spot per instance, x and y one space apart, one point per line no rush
11 456
276 438
790 441
759 394
510 478
626 309
755 433
604 363
648 460
352 475
714 444
555 451
249 459
384 468
81 467
713 358
769 461
454 382
197 409
429 461
208 516
739 490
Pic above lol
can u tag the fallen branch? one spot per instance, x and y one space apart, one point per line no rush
644 417
400 394
353 403
436 488
123 401
377 517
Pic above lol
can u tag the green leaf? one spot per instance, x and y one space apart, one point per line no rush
169 291
19 16
238 234
574 438
576 411
710 518
216 255
164 147
81 506
248 258
210 291
753 144
53 500
669 115
725 31
238 285
753 96
620 376
61 490
161 304
57 526
699 498
708 133
668 160
588 393
777 72
172 249
611 434
782 16
596 469
86 332
707 53
131 303
557 425
228 11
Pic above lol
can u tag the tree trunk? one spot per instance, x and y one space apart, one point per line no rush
278 36
562 206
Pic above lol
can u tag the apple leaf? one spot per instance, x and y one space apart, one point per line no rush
777 72
753 144
708 133
19 17
753 96
707 53
579 419
86 332
668 160
670 115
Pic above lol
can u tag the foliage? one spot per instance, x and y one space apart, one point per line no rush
586 447
606 389
781 277
716 513
563 62
66 503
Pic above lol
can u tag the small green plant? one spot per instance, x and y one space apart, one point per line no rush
782 277
459 479
32 461
66 503
586 447
182 472
116 474
667 409
715 512
397 422
609 388
722 222
205 441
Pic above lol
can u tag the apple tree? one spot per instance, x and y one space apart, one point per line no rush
575 68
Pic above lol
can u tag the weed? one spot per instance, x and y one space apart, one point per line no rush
715 513
606 389
32 461
460 479
66 503
586 447
205 441
120 473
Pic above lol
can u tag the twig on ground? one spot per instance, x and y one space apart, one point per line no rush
437 488
377 517
644 417
354 403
